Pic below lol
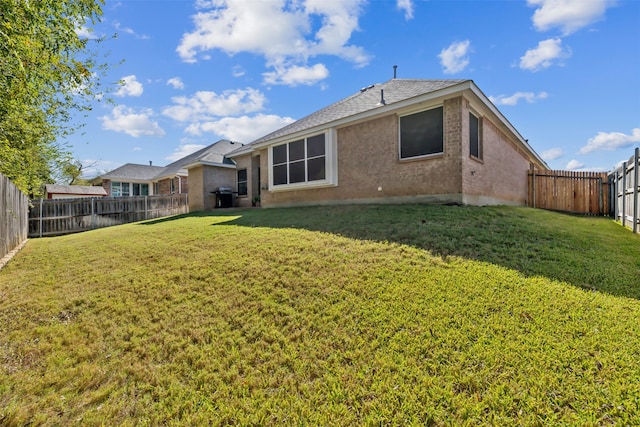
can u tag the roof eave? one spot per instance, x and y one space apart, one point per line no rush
477 92
204 163
369 114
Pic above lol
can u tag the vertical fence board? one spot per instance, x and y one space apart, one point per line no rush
568 191
64 216
14 208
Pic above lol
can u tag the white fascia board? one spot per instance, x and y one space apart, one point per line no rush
218 165
477 92
370 114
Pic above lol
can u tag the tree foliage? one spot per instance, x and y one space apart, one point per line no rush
47 75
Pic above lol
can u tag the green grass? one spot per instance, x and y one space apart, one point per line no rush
352 315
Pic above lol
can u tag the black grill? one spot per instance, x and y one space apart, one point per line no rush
224 197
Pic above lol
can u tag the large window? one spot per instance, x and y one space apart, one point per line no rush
422 134
120 189
475 136
300 161
140 189
242 182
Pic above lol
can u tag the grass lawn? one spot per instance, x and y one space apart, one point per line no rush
348 315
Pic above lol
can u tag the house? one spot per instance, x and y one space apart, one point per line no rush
55 191
402 141
142 180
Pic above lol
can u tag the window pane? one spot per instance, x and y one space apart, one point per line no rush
144 189
315 146
296 150
125 189
115 189
421 133
136 189
242 188
296 172
280 154
242 175
316 168
280 174
474 137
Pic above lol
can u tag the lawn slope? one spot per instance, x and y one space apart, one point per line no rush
350 315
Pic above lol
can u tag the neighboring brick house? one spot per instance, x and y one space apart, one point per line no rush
142 180
402 141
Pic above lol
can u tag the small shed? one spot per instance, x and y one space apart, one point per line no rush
55 191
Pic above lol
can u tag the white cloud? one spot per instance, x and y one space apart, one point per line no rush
85 33
127 30
552 154
407 6
282 32
135 124
529 97
568 15
296 75
184 150
206 104
130 87
573 165
543 55
243 129
454 58
176 82
238 71
611 141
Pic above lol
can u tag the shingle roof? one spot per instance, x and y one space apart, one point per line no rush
75 189
214 153
133 171
366 99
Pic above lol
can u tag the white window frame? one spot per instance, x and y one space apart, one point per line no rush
331 164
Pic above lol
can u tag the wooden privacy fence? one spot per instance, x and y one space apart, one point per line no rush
52 217
626 189
567 191
14 210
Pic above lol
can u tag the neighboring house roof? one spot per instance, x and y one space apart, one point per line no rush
213 154
75 189
381 98
132 171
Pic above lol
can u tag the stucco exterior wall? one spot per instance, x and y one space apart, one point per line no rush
500 177
370 170
204 180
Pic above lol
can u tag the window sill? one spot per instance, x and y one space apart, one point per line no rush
301 186
476 159
419 158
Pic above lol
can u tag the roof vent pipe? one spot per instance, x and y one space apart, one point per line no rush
395 69
382 101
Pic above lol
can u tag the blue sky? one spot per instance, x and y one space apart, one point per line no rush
565 73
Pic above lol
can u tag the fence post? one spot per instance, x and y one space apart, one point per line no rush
624 192
636 155
40 217
93 212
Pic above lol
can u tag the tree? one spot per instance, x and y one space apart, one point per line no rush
47 74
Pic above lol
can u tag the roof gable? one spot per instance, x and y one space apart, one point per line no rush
212 154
